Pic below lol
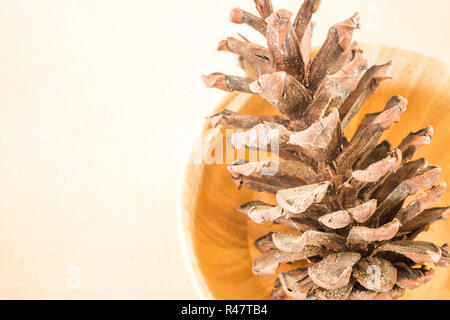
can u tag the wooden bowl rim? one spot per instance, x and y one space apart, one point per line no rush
195 276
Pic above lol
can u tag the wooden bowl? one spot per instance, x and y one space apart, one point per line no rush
218 241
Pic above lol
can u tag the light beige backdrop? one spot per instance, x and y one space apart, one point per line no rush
99 102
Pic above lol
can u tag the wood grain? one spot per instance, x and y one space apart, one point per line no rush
219 241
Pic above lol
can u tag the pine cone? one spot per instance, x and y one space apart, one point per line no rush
355 206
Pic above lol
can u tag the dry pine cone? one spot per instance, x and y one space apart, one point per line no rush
355 206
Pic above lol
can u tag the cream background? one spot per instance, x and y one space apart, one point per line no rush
99 102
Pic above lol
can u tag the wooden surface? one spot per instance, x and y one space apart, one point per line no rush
219 241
